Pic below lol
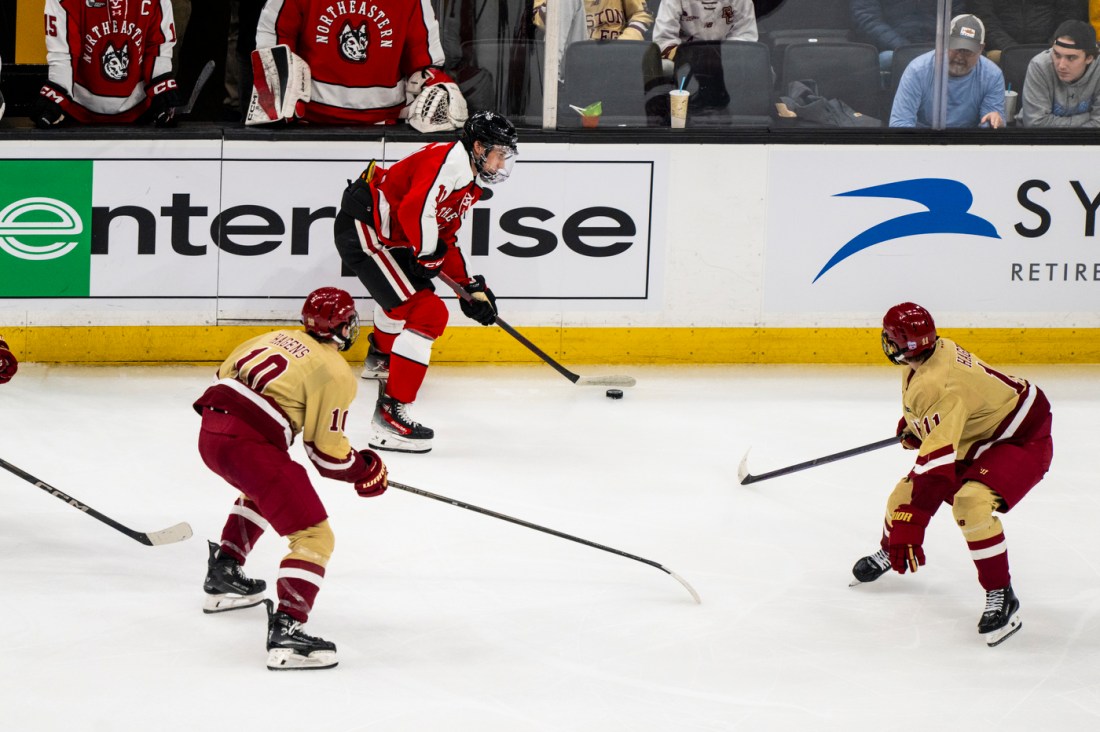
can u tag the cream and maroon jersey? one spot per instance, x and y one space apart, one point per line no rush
680 21
609 19
959 406
360 52
286 383
104 52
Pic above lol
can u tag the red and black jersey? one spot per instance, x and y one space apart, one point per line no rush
104 52
422 200
360 53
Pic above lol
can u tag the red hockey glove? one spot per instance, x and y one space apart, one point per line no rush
8 363
47 108
164 97
906 536
374 483
483 306
908 440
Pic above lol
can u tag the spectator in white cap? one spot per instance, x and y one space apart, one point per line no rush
975 85
1062 84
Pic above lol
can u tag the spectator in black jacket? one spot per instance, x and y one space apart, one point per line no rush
1009 22
890 24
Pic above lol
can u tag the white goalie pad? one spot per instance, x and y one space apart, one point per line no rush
437 108
281 82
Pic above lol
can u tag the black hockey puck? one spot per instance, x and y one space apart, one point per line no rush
614 393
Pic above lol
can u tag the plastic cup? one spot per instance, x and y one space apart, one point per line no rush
1012 100
678 106
590 120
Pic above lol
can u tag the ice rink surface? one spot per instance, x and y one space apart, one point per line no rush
446 619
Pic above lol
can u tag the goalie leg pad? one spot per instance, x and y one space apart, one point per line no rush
281 88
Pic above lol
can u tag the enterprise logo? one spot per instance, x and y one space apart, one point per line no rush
45 219
946 201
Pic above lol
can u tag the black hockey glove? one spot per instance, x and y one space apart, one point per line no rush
429 265
47 108
164 97
482 306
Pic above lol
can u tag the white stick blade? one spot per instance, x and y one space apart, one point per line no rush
606 381
743 468
689 588
171 535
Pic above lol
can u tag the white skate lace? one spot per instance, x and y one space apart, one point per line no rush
400 410
880 558
994 601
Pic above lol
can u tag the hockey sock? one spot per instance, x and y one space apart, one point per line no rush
243 527
991 558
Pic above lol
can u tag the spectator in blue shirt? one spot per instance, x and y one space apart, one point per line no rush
975 85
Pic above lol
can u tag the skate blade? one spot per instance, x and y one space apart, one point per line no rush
395 443
224 603
285 659
999 636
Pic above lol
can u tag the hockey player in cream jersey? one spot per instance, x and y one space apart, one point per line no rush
679 21
983 441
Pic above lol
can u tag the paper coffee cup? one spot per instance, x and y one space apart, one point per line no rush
678 106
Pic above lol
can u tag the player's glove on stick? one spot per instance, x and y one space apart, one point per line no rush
375 481
164 97
47 108
909 441
907 525
8 364
483 306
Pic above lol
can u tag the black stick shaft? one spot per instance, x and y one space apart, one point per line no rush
822 460
461 292
135 535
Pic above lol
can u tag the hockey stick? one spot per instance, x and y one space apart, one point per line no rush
745 477
200 82
575 378
171 535
536 527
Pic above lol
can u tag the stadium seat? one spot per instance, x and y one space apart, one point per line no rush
622 75
517 70
1014 61
845 71
730 82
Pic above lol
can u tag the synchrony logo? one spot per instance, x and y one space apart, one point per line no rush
45 228
947 202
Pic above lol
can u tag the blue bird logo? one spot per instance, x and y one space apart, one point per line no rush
947 201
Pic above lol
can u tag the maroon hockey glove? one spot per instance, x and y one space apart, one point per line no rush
164 97
483 306
906 536
908 440
8 363
47 108
374 483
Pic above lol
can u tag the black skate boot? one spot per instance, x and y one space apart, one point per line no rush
226 586
871 567
376 365
1001 617
393 429
289 649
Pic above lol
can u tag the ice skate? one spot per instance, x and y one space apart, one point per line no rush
289 649
1001 617
376 365
226 586
870 568
393 429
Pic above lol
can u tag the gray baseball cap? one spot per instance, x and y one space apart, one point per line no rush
967 33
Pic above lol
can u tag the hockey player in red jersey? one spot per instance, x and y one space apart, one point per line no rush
270 389
8 363
367 63
983 441
396 230
110 62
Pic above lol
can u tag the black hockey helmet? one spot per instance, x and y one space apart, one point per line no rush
492 130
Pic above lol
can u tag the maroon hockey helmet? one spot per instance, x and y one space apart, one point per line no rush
908 332
329 315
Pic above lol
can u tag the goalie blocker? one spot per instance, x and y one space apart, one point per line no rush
281 85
